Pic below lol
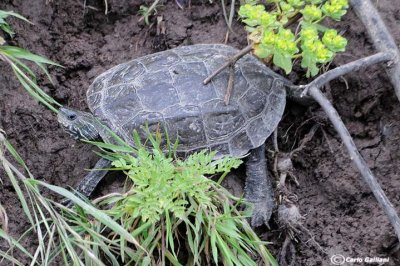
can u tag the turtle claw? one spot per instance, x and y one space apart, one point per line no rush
261 213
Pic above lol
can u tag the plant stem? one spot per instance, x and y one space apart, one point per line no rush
293 19
347 68
380 36
230 85
105 7
230 62
151 8
313 90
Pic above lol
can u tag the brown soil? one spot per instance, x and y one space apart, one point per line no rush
341 214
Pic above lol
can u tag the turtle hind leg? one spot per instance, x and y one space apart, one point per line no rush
258 187
91 180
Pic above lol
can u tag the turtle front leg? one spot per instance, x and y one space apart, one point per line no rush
258 187
91 180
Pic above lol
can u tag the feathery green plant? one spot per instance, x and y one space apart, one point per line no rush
170 197
14 55
147 223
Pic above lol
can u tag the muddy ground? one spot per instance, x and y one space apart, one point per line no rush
341 214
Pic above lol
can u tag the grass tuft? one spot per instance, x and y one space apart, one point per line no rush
14 56
170 213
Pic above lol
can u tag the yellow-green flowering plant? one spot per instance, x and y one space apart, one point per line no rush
313 43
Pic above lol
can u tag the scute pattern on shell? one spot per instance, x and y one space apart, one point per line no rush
165 90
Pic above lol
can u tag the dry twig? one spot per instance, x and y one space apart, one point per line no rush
230 62
347 68
313 90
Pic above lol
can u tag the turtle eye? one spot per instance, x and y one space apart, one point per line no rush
72 117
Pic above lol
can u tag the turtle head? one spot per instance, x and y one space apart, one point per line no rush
80 125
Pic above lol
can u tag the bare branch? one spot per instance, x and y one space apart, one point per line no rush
355 156
380 36
347 68
229 88
230 62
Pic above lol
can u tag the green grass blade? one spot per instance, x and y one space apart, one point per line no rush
45 71
23 66
189 239
98 214
10 258
50 243
4 14
9 169
12 55
141 229
213 243
29 71
33 85
7 29
172 258
115 137
17 157
15 243
227 255
169 233
115 148
20 53
33 93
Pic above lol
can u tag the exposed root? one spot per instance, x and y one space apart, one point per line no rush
275 140
283 166
289 217
286 251
307 138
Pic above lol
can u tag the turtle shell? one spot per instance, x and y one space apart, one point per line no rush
165 92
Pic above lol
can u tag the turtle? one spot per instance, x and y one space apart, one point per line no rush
166 90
